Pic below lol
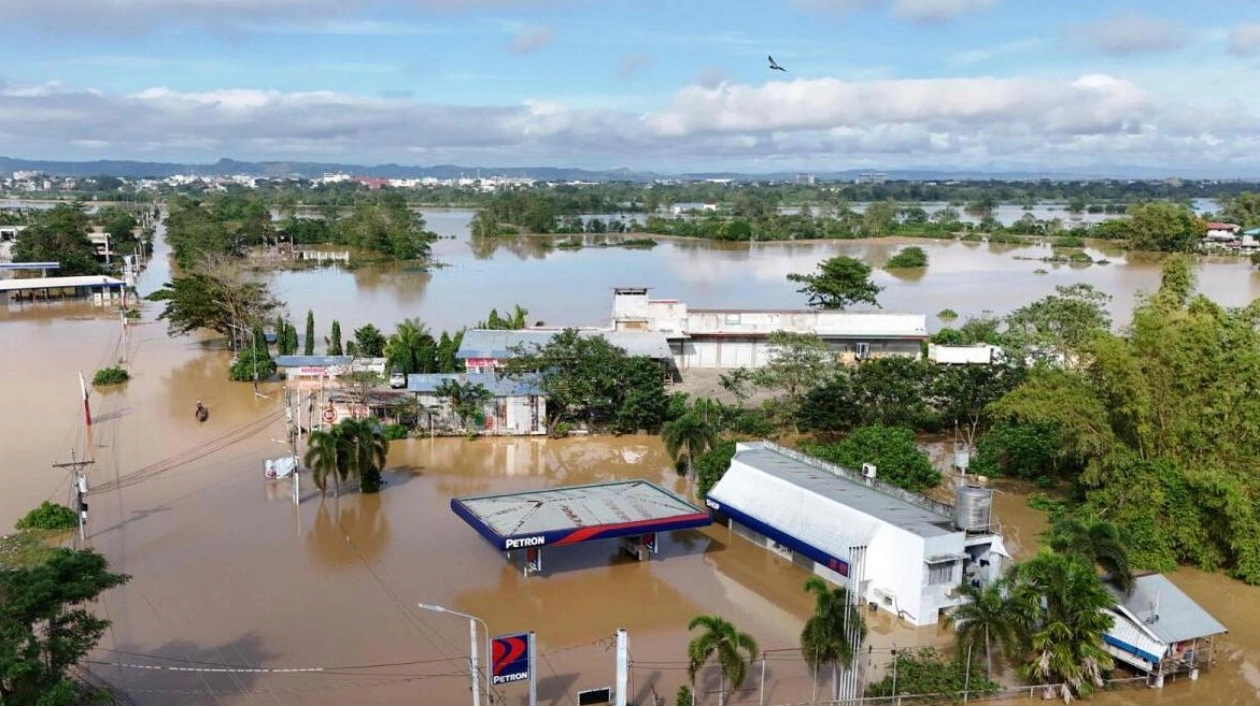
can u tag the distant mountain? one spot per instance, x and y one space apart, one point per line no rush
310 170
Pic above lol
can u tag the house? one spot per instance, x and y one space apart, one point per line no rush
1160 630
484 350
1222 232
898 551
519 406
731 338
317 370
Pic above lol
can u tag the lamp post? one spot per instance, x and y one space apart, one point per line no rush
472 648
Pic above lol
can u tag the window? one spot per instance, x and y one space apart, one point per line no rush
732 319
940 572
863 350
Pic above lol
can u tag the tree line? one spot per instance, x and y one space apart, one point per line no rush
60 235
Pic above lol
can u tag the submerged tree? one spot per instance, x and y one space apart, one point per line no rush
985 619
839 282
733 650
834 634
688 437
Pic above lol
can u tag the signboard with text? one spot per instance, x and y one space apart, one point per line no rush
510 659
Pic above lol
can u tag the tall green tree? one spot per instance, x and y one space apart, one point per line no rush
1242 209
839 282
411 349
797 363
308 342
1164 226
1098 542
367 447
215 294
59 235
835 632
1061 323
327 458
985 619
45 625
334 339
897 458
720 640
688 437
369 342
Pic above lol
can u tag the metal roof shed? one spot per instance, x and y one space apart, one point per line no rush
1161 630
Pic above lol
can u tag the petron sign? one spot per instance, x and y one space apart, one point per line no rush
510 658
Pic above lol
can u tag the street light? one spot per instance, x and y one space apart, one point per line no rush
472 648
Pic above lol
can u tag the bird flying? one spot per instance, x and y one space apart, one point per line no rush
774 66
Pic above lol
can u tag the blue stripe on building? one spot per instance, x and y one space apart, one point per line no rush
825 559
1108 638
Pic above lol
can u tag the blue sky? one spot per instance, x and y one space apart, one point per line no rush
670 85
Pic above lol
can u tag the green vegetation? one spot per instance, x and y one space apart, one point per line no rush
252 364
394 431
45 627
688 437
833 635
937 679
840 281
1069 242
467 400
912 257
334 339
308 341
59 235
1161 226
113 375
712 465
216 294
49 516
368 342
719 640
589 381
892 450
512 321
684 696
351 449
947 315
800 360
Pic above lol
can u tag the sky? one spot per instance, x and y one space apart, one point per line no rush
1097 86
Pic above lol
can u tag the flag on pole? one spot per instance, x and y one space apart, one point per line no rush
87 408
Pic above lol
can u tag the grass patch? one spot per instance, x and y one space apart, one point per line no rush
26 548
569 244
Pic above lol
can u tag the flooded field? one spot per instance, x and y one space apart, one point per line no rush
227 573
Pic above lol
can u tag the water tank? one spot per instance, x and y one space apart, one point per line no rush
973 509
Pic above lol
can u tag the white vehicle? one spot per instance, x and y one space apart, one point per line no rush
397 379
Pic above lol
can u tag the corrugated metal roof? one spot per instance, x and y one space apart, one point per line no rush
299 361
500 386
497 343
813 499
1166 611
37 283
544 510
1130 638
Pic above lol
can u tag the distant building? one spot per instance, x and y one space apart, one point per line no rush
731 338
806 178
871 178
519 406
484 350
901 552
1222 231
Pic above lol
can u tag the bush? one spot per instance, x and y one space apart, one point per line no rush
1069 242
49 516
114 375
394 431
243 368
898 460
753 423
712 465
1080 257
912 257
684 696
1022 450
947 315
938 679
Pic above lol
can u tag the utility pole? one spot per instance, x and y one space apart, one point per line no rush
623 667
80 486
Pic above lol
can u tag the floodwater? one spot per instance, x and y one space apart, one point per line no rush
564 288
227 573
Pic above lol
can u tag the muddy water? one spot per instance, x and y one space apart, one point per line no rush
574 287
227 572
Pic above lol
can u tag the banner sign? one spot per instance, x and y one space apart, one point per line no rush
510 659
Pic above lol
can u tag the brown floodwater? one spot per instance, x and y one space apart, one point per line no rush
226 572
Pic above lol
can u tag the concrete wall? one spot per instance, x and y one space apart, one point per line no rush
510 415
753 352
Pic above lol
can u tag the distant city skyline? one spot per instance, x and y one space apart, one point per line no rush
1106 88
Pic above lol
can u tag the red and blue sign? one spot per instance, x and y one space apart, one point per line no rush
510 659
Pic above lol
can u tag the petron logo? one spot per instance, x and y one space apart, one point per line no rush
511 659
534 541
712 504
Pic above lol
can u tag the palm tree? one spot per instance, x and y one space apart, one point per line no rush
834 633
985 618
327 457
725 642
409 347
1099 543
1059 600
365 449
688 437
517 319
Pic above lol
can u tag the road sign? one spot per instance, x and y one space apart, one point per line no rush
330 415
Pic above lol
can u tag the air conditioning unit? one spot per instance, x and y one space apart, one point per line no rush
868 470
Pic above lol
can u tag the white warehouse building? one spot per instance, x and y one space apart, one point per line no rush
733 338
899 551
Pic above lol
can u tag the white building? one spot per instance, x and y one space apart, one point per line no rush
963 355
899 551
731 338
518 407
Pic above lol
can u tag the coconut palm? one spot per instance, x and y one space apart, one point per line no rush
985 619
1098 542
733 650
365 448
835 632
687 437
411 349
327 458
1059 600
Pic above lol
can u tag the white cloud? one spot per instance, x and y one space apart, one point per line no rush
1130 34
1244 40
531 38
1093 121
914 10
938 10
